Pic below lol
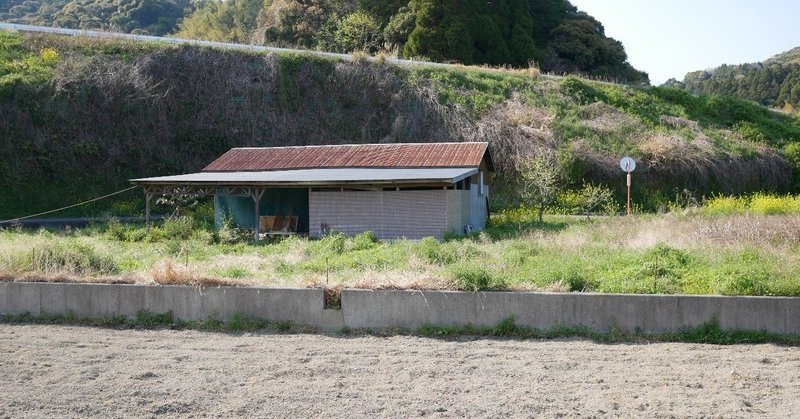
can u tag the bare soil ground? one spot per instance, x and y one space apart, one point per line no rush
48 371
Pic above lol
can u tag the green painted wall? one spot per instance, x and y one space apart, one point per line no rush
286 201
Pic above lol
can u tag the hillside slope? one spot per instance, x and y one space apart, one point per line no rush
551 33
78 117
788 57
774 82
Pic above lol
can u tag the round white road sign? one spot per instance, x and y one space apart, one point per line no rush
627 164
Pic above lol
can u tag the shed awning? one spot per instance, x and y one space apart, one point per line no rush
316 177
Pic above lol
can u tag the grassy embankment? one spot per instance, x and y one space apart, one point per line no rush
78 117
746 253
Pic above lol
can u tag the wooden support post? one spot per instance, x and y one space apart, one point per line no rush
147 197
628 182
256 194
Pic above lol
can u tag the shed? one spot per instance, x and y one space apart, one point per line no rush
410 190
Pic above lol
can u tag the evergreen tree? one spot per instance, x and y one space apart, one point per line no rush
399 28
427 39
774 83
552 33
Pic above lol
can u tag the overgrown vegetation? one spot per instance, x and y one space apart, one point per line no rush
692 253
81 116
762 204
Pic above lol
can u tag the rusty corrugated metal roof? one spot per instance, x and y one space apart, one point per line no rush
404 155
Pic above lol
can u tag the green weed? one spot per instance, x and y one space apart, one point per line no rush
471 276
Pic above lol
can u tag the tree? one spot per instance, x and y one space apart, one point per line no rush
552 33
541 179
155 17
301 23
459 42
359 32
490 47
427 39
399 28
521 45
523 50
230 21
383 10
594 197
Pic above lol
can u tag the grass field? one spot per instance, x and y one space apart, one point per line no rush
741 254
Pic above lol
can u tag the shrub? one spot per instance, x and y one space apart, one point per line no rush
49 56
473 277
760 203
364 241
446 253
125 208
235 272
574 276
595 197
115 230
577 281
431 250
507 327
332 244
666 267
74 258
725 205
178 228
568 202
230 233
203 216
518 252
773 204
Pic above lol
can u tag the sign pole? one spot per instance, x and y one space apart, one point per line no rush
627 165
629 192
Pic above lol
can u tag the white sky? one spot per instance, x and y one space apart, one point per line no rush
670 38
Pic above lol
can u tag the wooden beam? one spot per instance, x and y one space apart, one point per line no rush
147 197
256 193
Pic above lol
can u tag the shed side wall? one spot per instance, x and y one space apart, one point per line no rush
454 217
466 207
388 214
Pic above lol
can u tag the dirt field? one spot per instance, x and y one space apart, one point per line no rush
50 371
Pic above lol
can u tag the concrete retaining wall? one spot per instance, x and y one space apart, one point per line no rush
299 305
409 309
599 312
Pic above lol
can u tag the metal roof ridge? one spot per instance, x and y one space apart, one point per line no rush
389 171
466 166
357 145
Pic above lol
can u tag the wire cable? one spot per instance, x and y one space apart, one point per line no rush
68 207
